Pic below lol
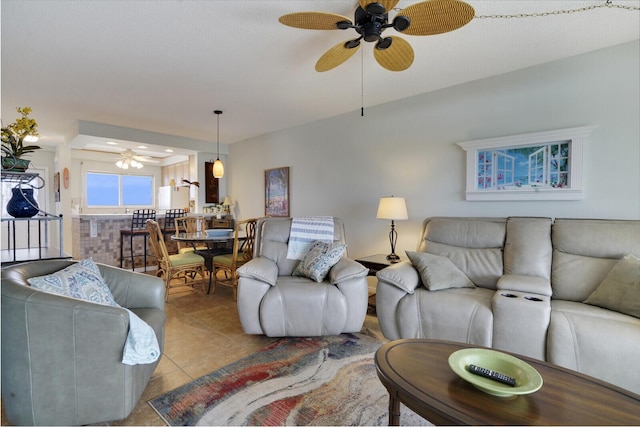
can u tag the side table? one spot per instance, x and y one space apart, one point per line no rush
376 263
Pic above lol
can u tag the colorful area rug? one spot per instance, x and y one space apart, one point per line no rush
294 381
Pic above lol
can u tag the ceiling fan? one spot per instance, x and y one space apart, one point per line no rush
129 159
371 19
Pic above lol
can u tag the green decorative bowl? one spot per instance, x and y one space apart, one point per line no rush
527 378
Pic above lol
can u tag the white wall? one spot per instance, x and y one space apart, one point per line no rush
343 165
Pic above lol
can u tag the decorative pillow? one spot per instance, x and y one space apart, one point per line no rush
620 289
319 260
81 280
438 272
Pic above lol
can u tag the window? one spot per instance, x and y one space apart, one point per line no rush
108 189
537 166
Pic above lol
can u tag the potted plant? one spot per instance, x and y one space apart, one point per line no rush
14 136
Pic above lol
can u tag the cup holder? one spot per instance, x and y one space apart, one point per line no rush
509 295
528 298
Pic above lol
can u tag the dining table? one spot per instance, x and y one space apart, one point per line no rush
215 245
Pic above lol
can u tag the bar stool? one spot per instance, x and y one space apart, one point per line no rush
169 226
138 228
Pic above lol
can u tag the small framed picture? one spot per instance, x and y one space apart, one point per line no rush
276 192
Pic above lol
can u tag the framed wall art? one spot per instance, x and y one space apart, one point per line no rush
535 166
276 192
211 184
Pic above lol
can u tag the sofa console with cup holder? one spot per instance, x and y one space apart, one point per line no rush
565 291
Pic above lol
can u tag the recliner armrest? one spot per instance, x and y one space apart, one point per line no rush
403 275
261 269
527 284
347 269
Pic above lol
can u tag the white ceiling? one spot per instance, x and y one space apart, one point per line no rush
164 66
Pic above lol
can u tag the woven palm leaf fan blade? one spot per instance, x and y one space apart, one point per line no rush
388 4
397 57
313 20
436 16
335 56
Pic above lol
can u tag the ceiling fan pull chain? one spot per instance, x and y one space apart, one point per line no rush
362 83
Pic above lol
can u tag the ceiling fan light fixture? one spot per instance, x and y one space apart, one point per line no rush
218 167
375 9
372 30
31 138
384 43
401 23
371 19
129 163
351 44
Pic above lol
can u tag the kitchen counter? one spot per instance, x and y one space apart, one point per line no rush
98 236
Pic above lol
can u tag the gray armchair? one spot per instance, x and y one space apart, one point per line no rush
61 357
273 302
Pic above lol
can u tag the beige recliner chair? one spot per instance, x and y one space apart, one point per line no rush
61 357
273 302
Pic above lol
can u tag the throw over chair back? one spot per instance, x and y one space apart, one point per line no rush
179 266
272 239
243 247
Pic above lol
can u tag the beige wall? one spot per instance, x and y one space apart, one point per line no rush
343 165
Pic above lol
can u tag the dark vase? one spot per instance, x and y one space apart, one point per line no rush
22 206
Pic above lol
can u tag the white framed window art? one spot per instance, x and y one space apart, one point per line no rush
534 166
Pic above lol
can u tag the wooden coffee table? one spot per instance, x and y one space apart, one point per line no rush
416 373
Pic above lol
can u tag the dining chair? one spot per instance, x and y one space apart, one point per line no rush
178 266
138 221
242 252
189 224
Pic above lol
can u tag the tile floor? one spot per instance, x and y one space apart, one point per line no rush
202 334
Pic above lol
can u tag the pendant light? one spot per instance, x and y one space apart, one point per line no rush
218 167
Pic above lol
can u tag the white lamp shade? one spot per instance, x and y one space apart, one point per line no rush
227 201
392 208
218 169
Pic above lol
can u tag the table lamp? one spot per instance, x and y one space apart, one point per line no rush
227 204
393 208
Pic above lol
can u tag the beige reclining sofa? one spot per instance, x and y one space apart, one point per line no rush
529 280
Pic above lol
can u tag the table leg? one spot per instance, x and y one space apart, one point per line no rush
209 265
394 409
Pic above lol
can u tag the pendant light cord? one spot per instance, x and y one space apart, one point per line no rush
217 113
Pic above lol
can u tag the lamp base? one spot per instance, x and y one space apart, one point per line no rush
393 258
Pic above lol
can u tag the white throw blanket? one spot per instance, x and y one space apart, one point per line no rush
141 345
305 231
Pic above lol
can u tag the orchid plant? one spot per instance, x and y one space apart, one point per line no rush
15 134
